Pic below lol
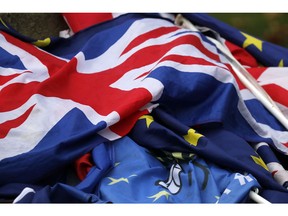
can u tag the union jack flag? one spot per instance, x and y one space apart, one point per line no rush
61 101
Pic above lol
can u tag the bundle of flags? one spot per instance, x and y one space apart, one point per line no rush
134 108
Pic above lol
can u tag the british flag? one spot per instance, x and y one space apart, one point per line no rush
60 102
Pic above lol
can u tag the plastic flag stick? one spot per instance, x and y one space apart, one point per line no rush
257 198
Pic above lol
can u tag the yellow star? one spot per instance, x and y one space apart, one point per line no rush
217 199
281 63
122 179
116 164
4 23
42 43
160 194
180 155
115 181
252 41
192 137
259 161
149 119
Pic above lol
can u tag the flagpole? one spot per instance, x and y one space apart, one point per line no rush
242 74
257 198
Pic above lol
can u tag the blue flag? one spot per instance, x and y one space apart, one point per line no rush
210 141
138 175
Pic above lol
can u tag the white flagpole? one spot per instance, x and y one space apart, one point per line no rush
242 74
257 198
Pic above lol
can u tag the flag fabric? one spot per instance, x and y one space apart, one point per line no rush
266 53
140 176
212 142
136 101
81 21
273 164
169 178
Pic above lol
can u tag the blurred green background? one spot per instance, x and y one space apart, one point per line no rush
272 27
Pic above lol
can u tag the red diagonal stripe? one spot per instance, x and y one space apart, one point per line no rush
256 72
277 93
5 79
8 125
148 35
16 94
188 60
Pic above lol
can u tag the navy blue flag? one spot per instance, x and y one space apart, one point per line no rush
137 81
